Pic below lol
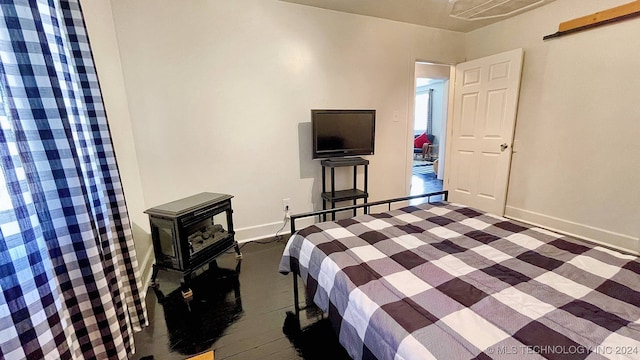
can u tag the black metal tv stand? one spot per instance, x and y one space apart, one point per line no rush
353 194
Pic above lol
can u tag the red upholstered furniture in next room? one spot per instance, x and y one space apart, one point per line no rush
423 144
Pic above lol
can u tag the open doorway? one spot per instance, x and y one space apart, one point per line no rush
429 127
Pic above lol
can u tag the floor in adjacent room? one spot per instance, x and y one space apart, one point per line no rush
239 316
424 179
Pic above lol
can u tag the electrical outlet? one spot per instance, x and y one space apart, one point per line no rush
285 205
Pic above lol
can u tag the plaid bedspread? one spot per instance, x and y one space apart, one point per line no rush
449 282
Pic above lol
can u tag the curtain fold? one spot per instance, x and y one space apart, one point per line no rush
68 269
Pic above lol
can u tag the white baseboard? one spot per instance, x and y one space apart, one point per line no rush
260 232
597 235
146 270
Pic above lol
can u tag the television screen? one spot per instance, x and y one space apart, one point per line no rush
340 133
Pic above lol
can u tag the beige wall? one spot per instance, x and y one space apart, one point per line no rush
104 46
576 162
217 96
220 93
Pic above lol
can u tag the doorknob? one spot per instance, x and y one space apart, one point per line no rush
504 147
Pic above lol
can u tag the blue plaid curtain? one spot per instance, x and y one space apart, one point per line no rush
68 270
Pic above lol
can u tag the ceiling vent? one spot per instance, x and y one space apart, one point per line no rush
487 9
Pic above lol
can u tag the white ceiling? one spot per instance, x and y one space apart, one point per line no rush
432 13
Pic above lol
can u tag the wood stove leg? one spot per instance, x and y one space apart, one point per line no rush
154 276
213 264
187 293
238 253
159 295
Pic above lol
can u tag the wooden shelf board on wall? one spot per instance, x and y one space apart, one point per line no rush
599 18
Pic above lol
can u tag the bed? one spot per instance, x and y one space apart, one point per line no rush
445 281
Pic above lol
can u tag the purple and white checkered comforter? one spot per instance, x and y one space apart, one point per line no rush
449 282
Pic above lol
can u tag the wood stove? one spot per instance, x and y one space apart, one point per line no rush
191 232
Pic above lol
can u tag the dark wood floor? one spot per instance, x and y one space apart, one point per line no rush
238 316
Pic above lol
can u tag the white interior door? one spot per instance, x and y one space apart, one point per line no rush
484 115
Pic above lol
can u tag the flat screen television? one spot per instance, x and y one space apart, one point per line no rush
342 133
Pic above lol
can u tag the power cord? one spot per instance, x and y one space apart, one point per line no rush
277 236
285 221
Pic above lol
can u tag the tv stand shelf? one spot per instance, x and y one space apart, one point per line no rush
342 195
333 196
